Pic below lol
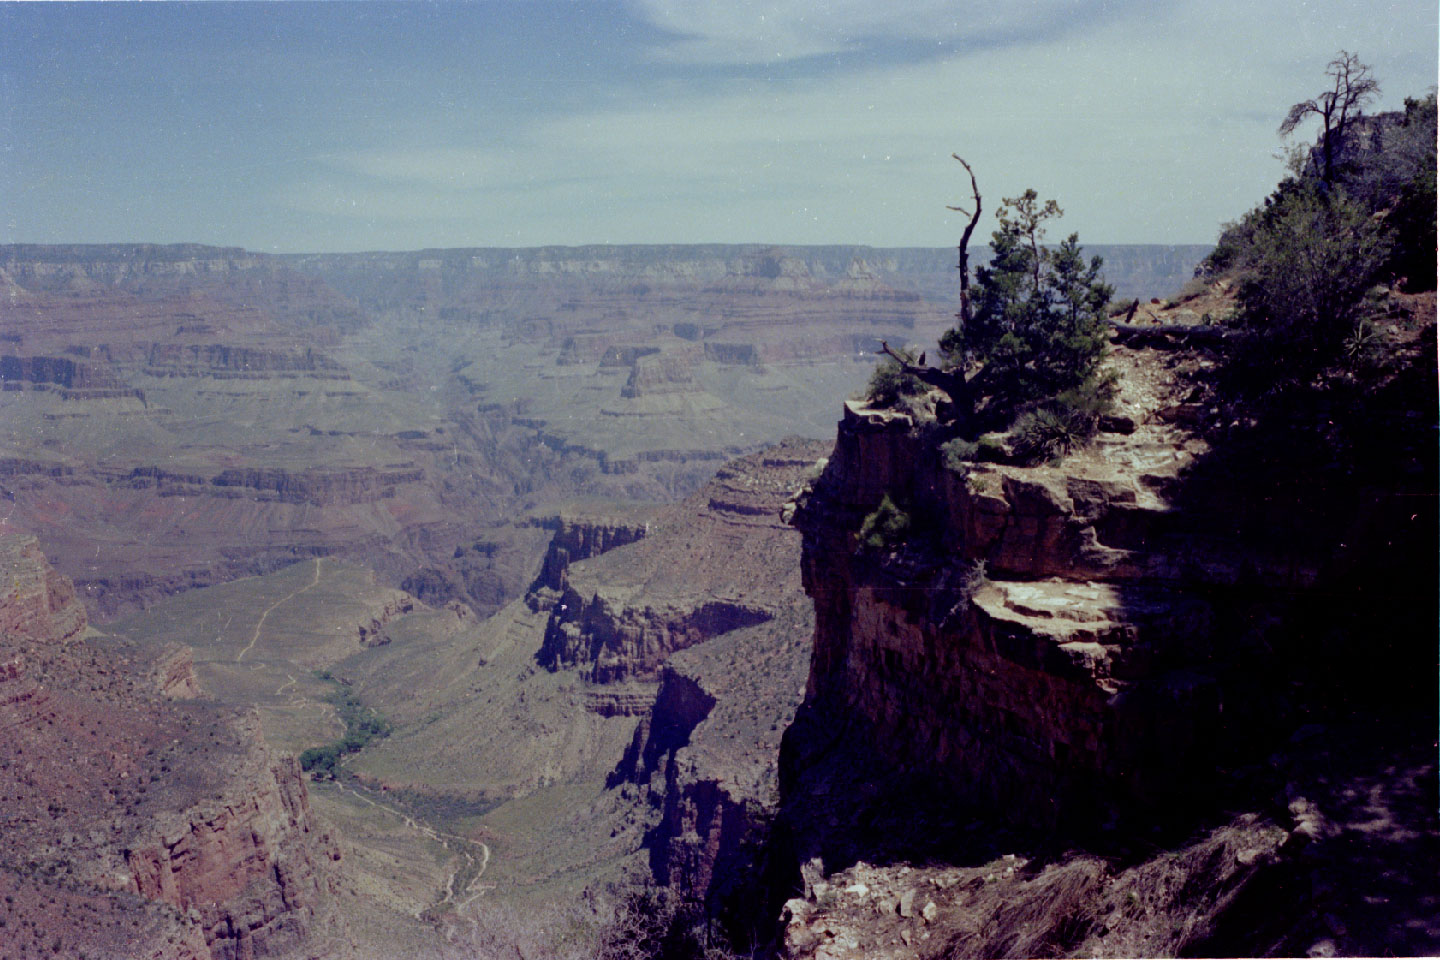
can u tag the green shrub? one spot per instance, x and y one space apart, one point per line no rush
990 449
1066 423
959 453
885 528
1048 434
321 759
980 482
975 579
1313 257
889 385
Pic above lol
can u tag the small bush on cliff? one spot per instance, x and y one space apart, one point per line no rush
655 923
975 579
889 385
885 528
960 453
1065 423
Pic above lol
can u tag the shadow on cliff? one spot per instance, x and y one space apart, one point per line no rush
1306 541
1324 648
1326 493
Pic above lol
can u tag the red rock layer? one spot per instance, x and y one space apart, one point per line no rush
167 822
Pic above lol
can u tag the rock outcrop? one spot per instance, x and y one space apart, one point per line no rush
1019 643
167 821
574 539
707 755
36 603
621 620
1068 643
1124 642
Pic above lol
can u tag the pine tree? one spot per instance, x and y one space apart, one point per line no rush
1037 329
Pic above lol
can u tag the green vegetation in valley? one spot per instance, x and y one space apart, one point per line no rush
362 726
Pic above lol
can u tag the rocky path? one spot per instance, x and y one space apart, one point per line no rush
259 624
472 888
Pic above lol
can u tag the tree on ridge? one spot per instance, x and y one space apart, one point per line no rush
1352 86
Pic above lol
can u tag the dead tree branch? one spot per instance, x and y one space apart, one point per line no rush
964 265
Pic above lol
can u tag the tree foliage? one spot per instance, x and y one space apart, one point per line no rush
362 726
885 528
1037 327
1311 258
1357 211
889 383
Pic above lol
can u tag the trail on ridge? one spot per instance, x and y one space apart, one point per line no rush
259 624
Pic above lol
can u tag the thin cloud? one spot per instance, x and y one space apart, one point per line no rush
746 33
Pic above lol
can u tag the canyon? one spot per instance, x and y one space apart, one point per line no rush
199 414
577 526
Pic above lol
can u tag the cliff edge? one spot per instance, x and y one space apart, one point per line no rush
1161 642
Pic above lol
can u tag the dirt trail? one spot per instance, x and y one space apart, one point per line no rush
259 624
473 888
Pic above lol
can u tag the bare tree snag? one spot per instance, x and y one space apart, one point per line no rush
951 381
964 266
1351 88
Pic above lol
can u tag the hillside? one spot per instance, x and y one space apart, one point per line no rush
139 821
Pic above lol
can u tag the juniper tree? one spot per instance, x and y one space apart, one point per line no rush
1037 324
1351 87
1032 332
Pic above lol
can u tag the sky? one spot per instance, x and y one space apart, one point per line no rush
340 126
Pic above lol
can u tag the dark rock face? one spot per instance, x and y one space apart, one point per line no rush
1139 639
1013 648
619 642
1075 643
705 756
576 539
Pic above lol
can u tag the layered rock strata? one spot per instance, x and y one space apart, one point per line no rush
707 755
620 620
1063 643
167 821
1121 649
1011 643
575 539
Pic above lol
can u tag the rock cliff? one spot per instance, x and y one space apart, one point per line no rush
1063 643
165 821
36 603
577 538
620 620
706 756
1108 646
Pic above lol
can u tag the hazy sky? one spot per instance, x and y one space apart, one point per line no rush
347 126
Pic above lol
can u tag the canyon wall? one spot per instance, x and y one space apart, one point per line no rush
164 820
621 616
1078 643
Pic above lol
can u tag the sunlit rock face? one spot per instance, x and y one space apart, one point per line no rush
163 819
